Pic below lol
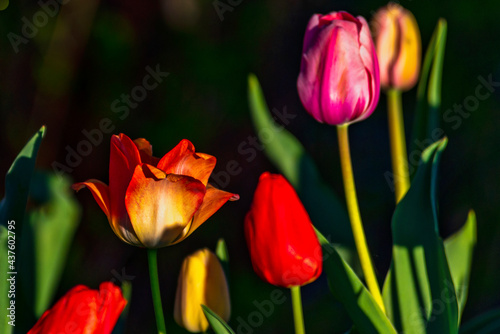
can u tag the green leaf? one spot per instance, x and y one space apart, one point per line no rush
347 288
486 323
290 158
419 291
459 249
127 294
218 325
12 208
223 255
427 116
52 225
17 181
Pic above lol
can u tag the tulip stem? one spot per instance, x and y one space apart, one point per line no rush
155 290
354 215
398 144
298 315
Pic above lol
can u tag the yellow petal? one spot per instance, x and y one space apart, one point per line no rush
201 282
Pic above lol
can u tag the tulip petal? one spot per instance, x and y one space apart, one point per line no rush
146 151
183 160
85 310
100 192
368 54
214 199
160 209
124 157
201 281
344 79
407 66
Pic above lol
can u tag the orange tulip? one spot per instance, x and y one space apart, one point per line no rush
152 202
397 40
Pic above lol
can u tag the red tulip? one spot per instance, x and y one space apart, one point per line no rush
152 202
339 74
283 245
83 310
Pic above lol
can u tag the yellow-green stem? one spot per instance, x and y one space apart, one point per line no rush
298 316
398 144
354 215
155 290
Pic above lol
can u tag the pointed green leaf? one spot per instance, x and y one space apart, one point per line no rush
348 289
429 91
12 208
486 323
289 156
218 325
419 291
459 250
17 181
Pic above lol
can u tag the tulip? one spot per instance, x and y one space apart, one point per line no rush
339 74
283 246
201 282
152 202
83 310
397 40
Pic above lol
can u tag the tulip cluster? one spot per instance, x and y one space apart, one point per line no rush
155 202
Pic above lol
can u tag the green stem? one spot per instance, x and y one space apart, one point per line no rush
398 144
298 315
155 290
354 215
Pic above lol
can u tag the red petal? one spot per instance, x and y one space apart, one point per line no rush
183 160
100 191
146 151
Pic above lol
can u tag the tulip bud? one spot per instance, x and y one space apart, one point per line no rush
339 74
83 310
283 246
201 282
397 40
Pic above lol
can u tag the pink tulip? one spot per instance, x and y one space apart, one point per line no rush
339 80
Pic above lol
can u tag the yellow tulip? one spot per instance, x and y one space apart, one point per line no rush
201 282
398 45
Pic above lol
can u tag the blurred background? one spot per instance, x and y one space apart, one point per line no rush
80 68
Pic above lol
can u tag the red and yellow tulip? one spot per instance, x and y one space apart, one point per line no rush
152 202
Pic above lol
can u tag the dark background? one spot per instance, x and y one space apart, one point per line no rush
80 61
